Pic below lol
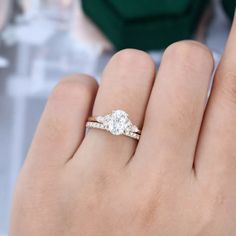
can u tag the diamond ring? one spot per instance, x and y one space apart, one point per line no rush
117 123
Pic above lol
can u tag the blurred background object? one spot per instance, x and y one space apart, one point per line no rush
42 41
146 25
5 12
229 7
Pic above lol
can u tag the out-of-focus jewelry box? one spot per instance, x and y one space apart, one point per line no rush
229 7
143 24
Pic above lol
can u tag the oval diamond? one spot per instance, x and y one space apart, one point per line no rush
117 122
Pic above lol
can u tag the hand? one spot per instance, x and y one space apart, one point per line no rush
178 180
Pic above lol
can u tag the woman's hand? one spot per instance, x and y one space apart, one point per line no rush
178 180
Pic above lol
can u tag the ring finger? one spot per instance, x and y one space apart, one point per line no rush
126 84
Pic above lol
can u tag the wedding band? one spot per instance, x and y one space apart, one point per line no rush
117 123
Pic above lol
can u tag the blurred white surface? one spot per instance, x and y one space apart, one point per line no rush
47 50
3 62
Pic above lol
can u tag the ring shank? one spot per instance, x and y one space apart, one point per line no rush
94 119
96 125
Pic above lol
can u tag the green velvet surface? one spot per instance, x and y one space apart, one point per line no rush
146 33
229 6
133 9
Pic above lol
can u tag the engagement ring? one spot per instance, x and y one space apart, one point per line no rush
117 123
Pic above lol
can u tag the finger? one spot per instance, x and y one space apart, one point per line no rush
62 126
126 84
217 151
176 108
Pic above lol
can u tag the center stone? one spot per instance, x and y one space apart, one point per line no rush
117 122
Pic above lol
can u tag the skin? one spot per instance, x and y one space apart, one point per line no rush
179 179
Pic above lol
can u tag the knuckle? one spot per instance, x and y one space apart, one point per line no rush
182 117
147 211
34 191
150 213
74 87
192 54
102 180
215 199
134 57
228 86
